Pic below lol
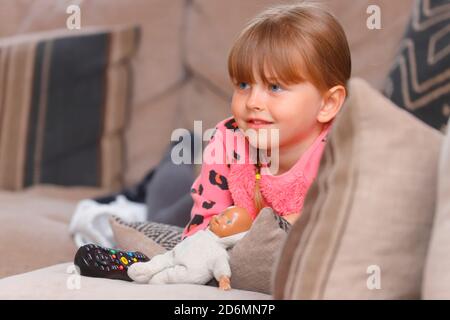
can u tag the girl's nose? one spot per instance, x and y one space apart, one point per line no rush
254 101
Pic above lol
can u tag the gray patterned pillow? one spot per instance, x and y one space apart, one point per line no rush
165 235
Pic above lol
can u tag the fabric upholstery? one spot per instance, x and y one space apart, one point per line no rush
436 281
62 282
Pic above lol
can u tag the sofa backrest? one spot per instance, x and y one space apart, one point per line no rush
180 72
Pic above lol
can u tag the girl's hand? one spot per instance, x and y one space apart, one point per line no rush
291 218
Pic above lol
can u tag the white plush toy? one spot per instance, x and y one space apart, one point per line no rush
200 257
90 222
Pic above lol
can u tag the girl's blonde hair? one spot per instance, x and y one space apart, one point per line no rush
292 43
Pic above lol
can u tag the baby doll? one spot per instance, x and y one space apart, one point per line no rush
200 257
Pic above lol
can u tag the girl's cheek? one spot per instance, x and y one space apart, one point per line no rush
237 106
234 110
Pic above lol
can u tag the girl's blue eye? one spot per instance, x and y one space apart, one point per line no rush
275 88
229 222
242 85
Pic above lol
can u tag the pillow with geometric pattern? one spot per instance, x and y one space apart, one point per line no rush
419 80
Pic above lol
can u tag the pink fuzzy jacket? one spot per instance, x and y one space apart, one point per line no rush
227 177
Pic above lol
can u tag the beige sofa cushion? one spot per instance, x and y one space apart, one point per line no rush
62 282
436 283
369 213
34 230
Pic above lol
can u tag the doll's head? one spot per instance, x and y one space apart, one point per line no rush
289 67
232 220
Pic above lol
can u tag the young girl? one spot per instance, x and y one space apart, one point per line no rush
289 68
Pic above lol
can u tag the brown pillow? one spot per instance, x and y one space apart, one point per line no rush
367 217
251 259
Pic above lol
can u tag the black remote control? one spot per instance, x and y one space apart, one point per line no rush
100 262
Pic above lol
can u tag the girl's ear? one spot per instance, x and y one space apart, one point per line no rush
333 100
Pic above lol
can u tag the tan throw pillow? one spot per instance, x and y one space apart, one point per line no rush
436 284
366 222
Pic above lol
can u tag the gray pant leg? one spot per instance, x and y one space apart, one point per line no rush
168 196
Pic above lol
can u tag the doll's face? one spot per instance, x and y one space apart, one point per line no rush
229 222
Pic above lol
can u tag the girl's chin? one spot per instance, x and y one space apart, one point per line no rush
262 138
257 144
262 144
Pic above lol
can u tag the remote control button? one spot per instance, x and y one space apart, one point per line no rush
135 260
113 251
124 260
121 267
114 256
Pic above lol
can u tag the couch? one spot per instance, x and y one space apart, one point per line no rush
179 75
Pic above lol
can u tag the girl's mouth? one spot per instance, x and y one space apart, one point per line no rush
258 123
